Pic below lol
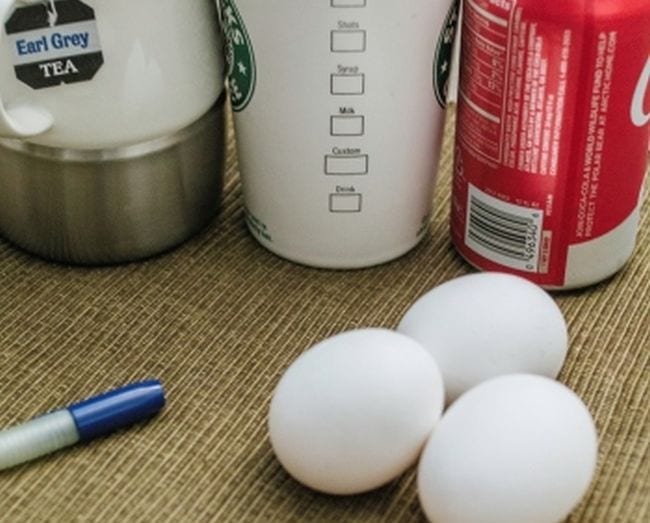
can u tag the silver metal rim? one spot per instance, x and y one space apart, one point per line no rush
109 154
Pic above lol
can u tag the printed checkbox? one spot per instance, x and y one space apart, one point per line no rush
346 165
347 125
348 84
345 202
348 3
348 41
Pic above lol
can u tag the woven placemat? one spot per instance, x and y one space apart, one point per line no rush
218 320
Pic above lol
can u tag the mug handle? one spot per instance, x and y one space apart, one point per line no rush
20 121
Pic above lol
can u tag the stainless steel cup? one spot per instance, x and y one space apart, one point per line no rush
112 205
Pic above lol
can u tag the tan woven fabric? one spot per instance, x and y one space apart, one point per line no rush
218 320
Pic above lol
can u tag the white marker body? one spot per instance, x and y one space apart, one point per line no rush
37 438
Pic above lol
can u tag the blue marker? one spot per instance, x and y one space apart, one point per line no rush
89 419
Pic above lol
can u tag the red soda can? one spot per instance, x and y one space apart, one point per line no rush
552 137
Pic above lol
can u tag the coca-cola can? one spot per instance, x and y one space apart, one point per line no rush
552 137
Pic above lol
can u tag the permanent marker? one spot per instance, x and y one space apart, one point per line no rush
83 421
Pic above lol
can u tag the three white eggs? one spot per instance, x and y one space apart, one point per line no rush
356 411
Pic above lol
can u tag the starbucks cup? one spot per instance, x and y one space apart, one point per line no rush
338 111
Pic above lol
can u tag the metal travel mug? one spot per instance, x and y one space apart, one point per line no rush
338 109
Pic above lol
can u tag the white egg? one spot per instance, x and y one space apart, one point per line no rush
485 325
353 412
517 448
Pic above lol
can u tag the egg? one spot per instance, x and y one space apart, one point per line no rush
517 448
354 412
485 325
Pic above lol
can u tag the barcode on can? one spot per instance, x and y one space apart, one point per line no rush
502 232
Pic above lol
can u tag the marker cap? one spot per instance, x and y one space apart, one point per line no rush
103 414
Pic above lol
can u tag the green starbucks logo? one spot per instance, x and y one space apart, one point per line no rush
239 56
444 51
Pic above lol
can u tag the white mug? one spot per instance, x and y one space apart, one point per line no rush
338 112
95 74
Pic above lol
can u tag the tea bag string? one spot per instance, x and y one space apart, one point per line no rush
52 13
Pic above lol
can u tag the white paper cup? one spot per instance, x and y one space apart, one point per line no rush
111 125
338 112
96 74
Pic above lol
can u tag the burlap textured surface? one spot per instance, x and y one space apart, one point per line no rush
218 320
